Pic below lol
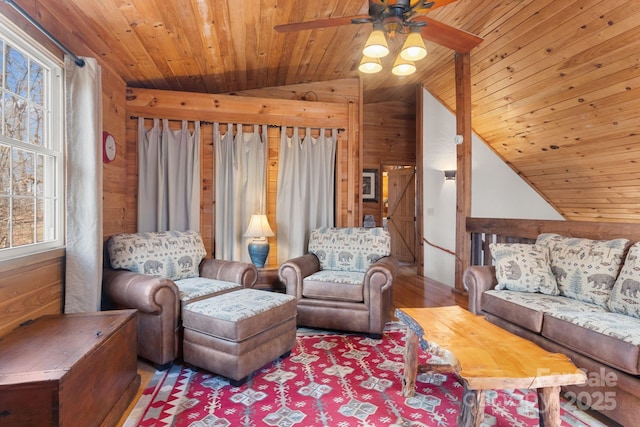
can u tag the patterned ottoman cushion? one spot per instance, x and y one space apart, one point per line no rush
240 314
585 269
197 288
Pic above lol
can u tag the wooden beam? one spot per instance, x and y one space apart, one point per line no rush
463 176
152 103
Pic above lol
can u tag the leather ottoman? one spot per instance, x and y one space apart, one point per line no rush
236 333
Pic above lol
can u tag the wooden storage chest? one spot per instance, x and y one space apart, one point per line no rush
69 370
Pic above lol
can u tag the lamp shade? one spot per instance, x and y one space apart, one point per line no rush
376 45
413 48
403 67
370 65
259 227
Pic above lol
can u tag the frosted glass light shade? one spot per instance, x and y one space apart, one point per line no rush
370 65
376 45
403 67
413 48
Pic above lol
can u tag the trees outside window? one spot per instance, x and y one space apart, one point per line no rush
31 146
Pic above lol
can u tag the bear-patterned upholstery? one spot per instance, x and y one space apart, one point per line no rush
158 273
344 281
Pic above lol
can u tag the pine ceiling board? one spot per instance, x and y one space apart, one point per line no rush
148 25
318 62
265 43
527 61
620 94
526 95
597 75
204 23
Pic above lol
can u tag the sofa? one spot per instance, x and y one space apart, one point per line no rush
345 281
575 296
158 273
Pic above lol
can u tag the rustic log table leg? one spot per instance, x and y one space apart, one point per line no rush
472 408
410 364
549 406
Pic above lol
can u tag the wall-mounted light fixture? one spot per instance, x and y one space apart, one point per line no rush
450 175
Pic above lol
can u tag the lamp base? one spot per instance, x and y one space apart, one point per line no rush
258 251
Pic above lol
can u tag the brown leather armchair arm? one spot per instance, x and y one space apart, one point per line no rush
377 287
476 280
230 271
158 303
295 270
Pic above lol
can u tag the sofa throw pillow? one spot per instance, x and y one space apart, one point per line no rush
625 296
585 269
174 255
523 267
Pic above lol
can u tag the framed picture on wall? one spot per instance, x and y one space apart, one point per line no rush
370 185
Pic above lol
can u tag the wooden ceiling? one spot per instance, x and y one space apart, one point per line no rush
555 83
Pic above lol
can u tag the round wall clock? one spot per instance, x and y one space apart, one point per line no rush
108 147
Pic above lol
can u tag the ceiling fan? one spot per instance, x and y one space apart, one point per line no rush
399 16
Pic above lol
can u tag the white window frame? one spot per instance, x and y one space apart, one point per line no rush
54 143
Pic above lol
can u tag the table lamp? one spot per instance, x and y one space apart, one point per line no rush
258 247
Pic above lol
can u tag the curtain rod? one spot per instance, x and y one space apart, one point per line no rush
224 122
79 61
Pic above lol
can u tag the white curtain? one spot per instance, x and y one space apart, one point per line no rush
83 267
305 197
240 180
168 177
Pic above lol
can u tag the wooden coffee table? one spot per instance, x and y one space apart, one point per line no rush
485 357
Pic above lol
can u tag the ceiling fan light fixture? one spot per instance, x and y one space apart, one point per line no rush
370 65
402 67
413 48
376 46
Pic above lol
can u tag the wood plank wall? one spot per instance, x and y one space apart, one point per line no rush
227 108
389 131
32 286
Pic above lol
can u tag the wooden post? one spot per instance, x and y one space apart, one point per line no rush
463 176
549 406
472 411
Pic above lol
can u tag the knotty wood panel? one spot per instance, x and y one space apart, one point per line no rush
31 287
389 140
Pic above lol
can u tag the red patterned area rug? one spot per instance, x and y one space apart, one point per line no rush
330 379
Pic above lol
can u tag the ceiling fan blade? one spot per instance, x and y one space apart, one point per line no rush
320 23
436 4
447 36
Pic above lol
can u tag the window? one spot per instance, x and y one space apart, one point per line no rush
31 146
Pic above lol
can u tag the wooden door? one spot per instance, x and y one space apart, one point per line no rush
401 217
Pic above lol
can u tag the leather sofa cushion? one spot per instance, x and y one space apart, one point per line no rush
611 338
527 309
240 314
334 285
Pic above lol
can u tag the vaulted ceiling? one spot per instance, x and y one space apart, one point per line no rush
555 83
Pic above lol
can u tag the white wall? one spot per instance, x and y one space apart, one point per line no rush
497 191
